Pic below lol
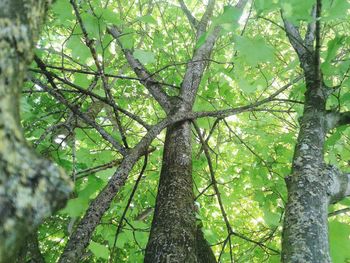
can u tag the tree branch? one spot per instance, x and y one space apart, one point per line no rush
336 119
107 101
339 184
193 21
198 62
305 55
234 111
54 91
146 78
203 23
310 32
120 224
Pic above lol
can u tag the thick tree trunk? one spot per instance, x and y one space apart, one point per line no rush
173 232
174 235
30 188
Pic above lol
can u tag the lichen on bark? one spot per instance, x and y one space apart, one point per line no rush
30 188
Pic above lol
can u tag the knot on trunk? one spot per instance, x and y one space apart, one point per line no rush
337 184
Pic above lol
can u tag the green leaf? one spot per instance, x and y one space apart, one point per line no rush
147 19
78 49
246 86
158 40
94 185
145 57
333 47
271 219
110 17
337 9
265 6
230 15
127 39
297 10
339 241
92 25
201 40
75 207
99 250
254 51
63 10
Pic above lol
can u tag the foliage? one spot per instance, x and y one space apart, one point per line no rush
251 152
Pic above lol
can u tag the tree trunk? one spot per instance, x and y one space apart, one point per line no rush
30 188
173 232
313 185
305 234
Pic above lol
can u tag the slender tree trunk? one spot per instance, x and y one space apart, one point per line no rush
30 188
173 232
305 235
313 185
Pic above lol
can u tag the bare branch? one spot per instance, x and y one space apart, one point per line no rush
107 101
338 212
54 91
203 23
146 78
198 63
193 21
310 33
237 110
120 224
339 184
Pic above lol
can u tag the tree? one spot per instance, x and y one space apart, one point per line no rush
31 188
313 185
222 78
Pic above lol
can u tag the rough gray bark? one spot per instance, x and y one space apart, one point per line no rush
173 232
313 185
30 188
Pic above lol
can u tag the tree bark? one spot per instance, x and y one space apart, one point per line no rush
30 188
173 232
313 185
305 236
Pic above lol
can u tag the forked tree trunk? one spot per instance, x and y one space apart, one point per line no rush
313 185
